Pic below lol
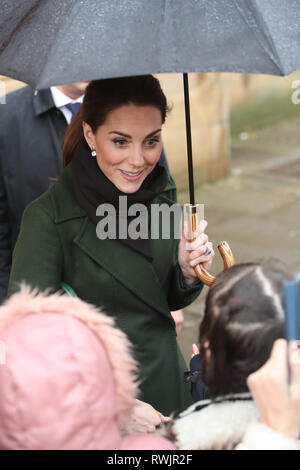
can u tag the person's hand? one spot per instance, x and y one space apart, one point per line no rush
277 401
195 350
178 319
190 254
144 418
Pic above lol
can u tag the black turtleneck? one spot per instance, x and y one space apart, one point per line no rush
93 188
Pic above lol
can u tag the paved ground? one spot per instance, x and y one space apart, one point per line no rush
256 209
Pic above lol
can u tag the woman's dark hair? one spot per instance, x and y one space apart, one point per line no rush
243 317
103 96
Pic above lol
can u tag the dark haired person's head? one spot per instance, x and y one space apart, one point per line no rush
121 120
243 317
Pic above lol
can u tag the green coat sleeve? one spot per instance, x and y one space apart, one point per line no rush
37 257
180 294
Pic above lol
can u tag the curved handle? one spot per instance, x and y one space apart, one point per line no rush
223 247
228 261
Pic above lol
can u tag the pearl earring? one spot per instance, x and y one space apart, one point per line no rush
93 153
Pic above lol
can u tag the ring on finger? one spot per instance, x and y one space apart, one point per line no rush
208 251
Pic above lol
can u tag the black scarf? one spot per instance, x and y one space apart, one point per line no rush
93 188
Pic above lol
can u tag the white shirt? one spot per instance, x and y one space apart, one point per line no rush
60 101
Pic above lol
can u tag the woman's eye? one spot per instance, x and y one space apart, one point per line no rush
119 142
152 142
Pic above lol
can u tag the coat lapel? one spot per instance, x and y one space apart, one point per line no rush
130 268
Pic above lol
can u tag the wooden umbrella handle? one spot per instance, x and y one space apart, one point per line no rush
224 250
228 260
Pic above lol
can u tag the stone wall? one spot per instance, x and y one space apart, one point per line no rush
209 122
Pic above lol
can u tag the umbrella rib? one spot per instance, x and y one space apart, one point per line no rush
276 60
53 45
19 25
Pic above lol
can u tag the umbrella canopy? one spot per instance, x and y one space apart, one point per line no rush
52 42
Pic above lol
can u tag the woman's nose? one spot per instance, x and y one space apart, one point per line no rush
136 157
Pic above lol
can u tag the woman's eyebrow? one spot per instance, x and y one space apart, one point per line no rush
120 133
152 133
129 136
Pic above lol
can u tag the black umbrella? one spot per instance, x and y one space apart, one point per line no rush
51 42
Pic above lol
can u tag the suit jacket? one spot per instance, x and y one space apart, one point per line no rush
58 243
31 134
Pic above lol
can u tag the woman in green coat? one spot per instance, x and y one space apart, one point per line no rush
74 233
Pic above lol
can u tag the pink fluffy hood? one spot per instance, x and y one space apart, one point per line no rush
67 378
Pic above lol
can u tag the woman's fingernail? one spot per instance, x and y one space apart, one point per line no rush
294 345
295 356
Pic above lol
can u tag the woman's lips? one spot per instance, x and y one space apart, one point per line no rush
131 175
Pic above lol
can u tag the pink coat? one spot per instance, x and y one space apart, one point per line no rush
67 378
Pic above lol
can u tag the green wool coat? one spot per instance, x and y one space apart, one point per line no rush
58 243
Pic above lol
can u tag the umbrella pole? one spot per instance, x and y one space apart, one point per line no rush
191 210
189 138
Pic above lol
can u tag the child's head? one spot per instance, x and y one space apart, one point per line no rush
243 316
67 378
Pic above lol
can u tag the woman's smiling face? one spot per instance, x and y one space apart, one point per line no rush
128 145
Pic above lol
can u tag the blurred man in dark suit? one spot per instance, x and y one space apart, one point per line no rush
32 128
